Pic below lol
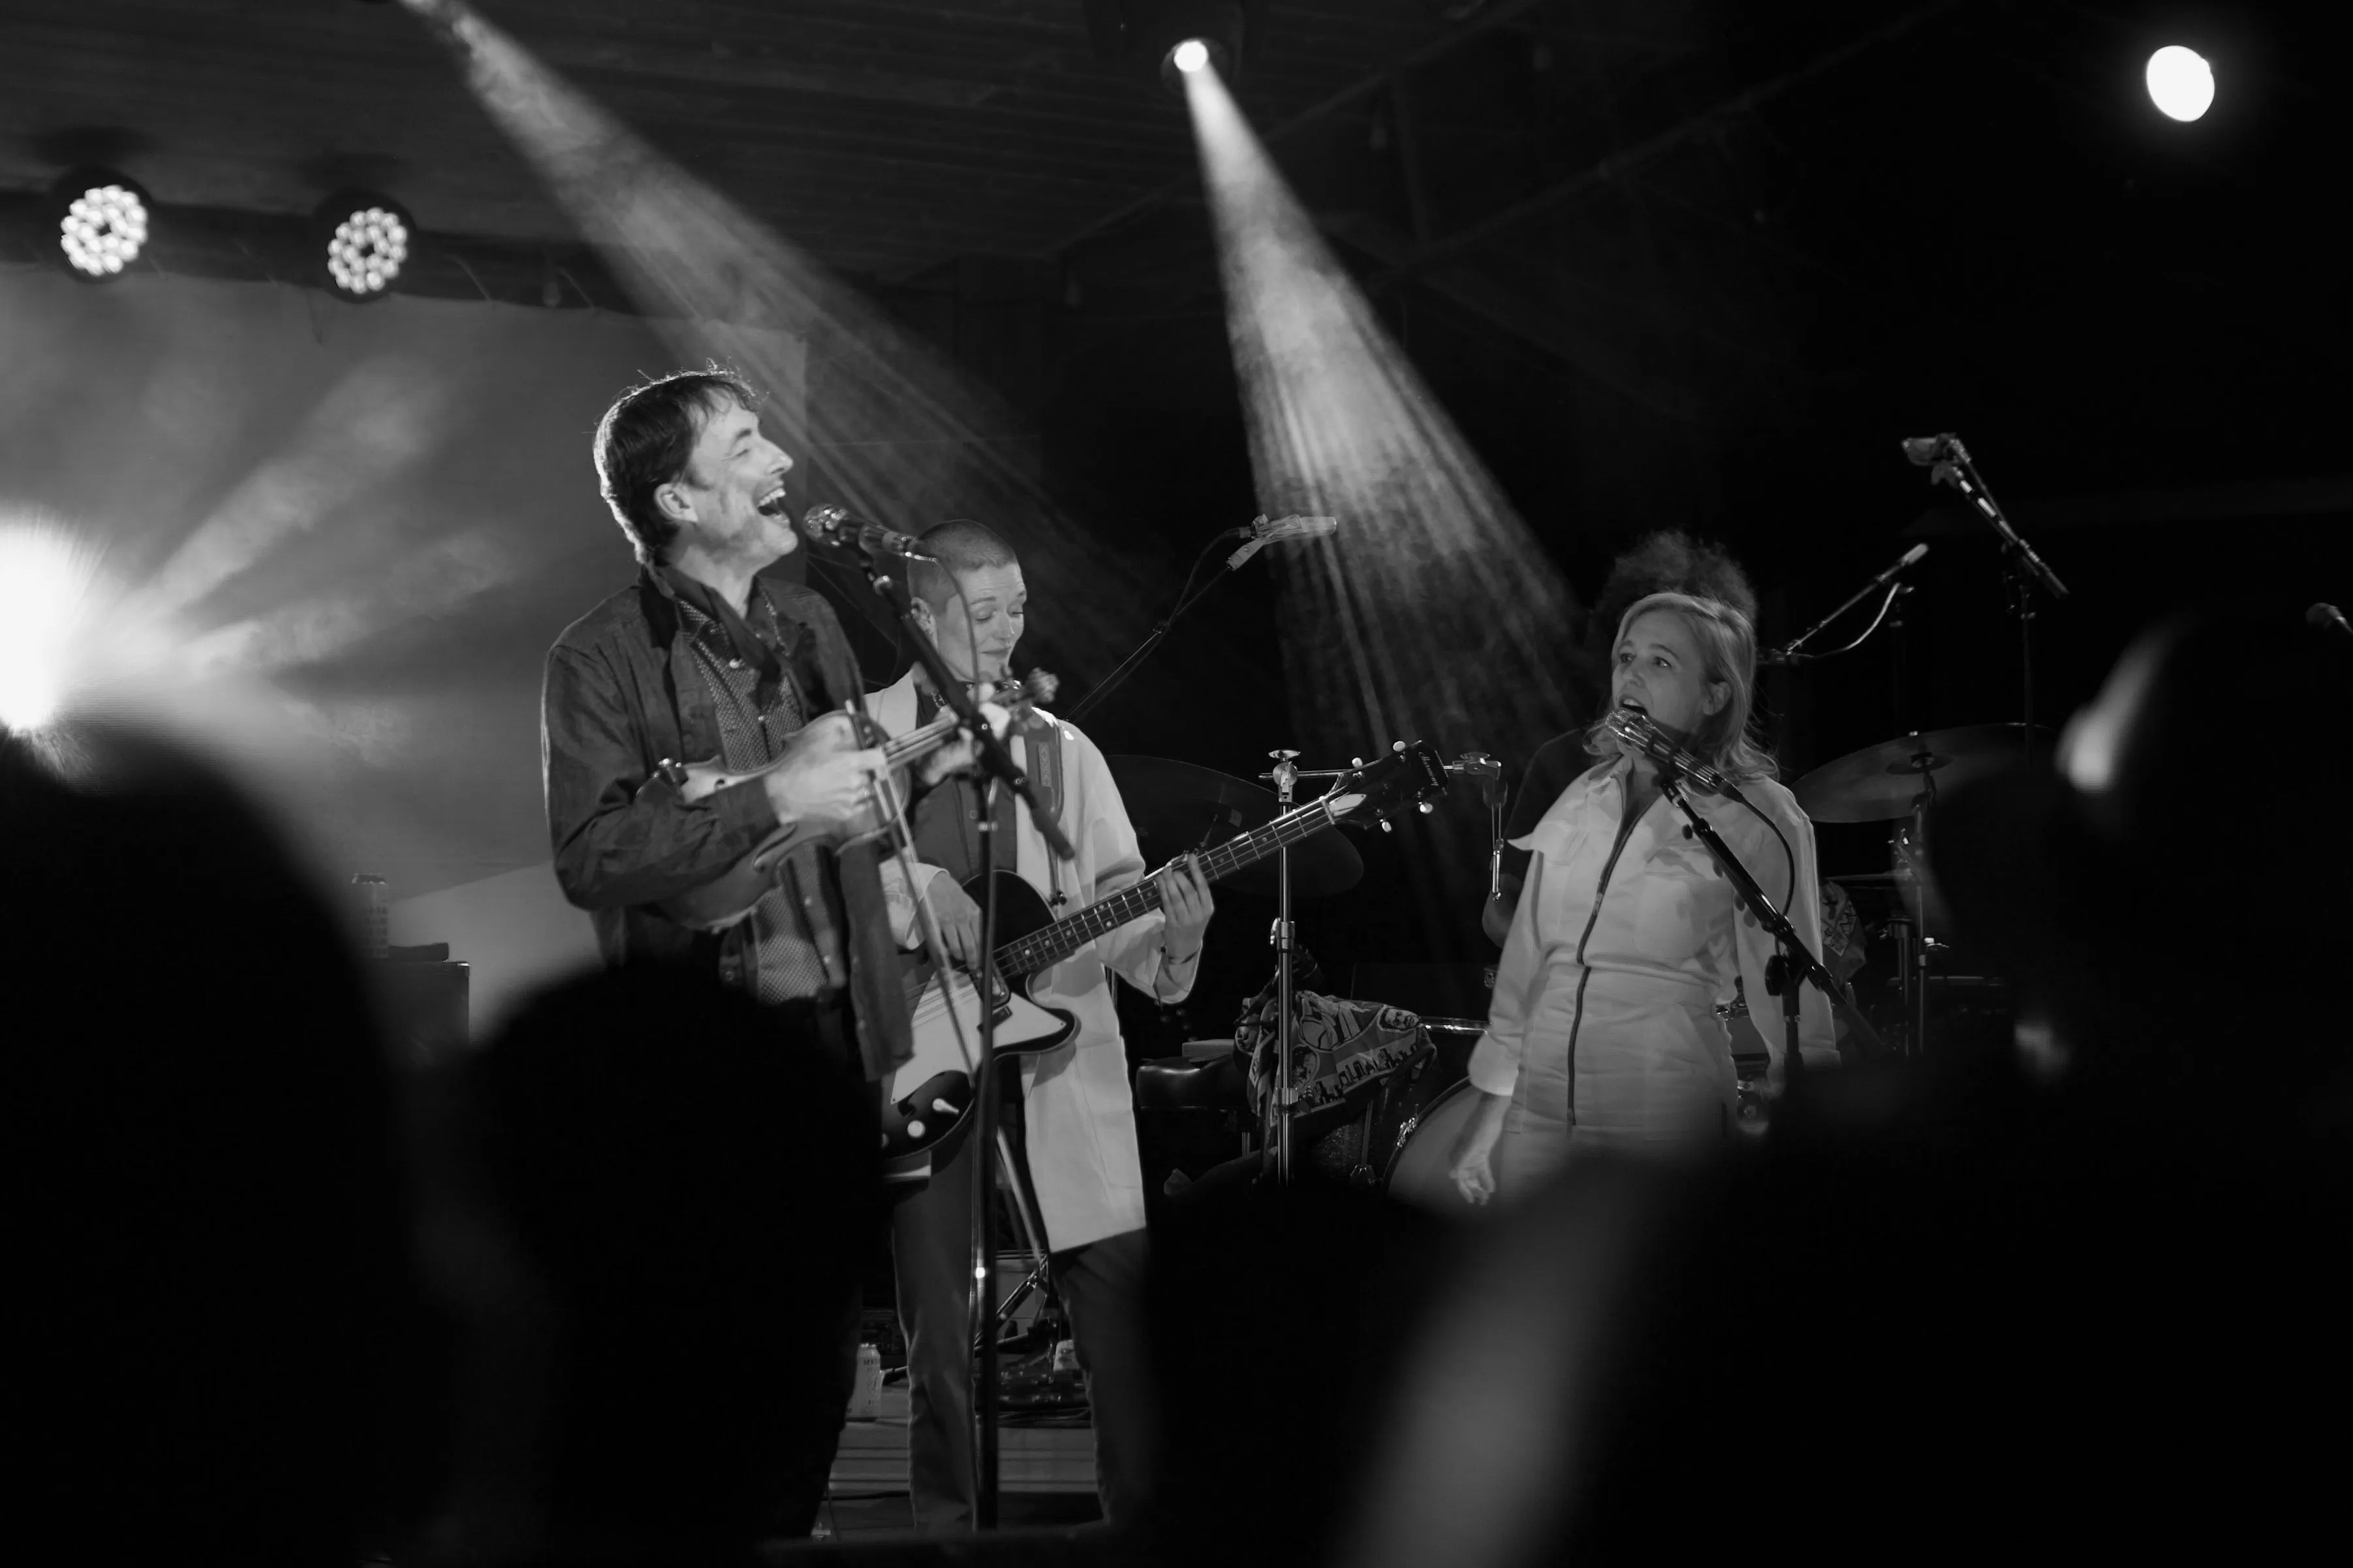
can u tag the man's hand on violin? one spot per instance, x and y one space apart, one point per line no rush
825 785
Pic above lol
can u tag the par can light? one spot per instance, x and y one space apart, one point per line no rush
102 223
362 241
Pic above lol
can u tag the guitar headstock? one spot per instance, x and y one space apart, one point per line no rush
1412 775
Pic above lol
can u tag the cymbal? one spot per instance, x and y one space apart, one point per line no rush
1179 806
1878 784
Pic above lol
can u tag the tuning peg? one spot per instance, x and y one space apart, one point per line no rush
1387 825
1426 808
1356 762
1397 745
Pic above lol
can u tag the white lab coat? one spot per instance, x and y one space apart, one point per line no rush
1078 1113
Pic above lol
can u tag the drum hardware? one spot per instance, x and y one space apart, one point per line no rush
1899 782
1886 783
1179 807
1285 777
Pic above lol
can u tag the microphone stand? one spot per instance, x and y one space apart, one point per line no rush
1186 600
2022 569
997 761
1797 961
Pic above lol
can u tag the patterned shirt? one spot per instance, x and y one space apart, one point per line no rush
791 942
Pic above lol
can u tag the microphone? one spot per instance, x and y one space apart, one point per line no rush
1926 449
1788 654
1637 731
2329 617
1261 533
829 524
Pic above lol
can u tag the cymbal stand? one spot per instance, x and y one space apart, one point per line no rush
1285 777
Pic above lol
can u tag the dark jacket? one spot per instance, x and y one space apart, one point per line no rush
620 697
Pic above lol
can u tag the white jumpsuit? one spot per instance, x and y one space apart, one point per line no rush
1603 1026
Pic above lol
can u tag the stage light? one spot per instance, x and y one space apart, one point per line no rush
46 582
1179 37
102 220
362 240
2181 82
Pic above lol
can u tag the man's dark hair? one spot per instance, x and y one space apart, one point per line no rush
1671 562
644 441
961 545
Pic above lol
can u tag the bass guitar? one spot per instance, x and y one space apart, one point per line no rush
929 1096
729 897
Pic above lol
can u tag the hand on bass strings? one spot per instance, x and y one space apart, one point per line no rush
1185 904
958 917
823 784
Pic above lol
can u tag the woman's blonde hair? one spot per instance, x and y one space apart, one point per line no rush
1728 649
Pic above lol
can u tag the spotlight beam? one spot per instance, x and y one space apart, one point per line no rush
1432 613
897 433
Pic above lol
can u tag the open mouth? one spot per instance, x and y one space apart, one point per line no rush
1631 706
772 503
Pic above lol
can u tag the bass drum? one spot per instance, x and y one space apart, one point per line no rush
1417 1138
1420 1172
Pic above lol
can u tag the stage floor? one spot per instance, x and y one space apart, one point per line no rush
1031 1459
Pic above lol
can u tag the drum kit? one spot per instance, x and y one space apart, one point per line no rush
1900 782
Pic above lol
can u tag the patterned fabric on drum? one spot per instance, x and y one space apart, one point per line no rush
1603 1026
1337 1048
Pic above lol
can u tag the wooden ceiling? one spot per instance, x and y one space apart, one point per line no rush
887 136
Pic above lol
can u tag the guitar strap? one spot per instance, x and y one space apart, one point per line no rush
1045 738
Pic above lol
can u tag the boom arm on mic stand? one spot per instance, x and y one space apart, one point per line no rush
1255 536
1796 956
1792 651
1947 462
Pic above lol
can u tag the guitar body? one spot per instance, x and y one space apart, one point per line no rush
929 1096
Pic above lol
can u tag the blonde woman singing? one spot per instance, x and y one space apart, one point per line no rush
1603 1032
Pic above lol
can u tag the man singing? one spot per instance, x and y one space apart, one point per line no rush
702 658
1079 1125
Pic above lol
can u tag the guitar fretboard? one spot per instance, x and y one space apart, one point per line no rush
1056 943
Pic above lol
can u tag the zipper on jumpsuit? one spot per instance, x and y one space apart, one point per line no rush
1577 1017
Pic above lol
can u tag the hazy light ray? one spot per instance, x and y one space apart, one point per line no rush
424 584
896 432
1432 614
378 420
77 643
